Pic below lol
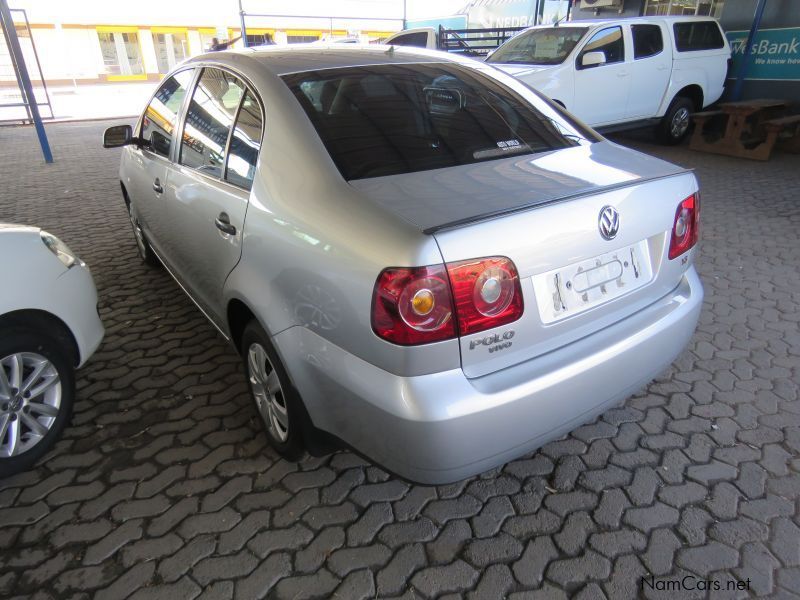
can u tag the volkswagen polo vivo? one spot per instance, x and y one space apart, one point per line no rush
415 254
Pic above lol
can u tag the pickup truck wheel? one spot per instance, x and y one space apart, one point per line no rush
37 387
675 124
142 245
278 404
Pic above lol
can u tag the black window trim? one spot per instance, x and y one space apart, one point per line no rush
200 66
582 51
633 40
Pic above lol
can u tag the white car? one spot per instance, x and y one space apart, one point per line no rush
625 72
49 326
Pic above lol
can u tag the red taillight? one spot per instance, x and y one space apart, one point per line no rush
686 227
413 305
416 305
486 292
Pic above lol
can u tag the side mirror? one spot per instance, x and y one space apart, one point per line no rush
159 143
592 59
117 136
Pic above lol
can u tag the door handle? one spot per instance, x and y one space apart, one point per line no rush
662 67
223 223
157 186
622 74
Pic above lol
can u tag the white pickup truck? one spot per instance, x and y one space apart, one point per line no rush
614 74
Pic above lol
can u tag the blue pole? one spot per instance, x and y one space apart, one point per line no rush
24 80
737 87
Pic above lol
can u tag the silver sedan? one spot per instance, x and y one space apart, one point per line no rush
415 254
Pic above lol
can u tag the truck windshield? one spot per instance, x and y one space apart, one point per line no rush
548 46
399 118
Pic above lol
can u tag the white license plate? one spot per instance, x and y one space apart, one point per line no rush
583 285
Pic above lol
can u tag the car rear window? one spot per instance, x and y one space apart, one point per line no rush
697 35
418 39
399 118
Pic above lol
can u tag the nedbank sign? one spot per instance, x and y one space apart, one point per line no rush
774 54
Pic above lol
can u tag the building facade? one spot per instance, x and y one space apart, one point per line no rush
95 41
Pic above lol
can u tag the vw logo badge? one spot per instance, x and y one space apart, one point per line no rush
608 222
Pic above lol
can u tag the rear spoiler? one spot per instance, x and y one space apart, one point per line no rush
523 207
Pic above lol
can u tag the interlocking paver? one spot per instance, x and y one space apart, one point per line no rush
162 486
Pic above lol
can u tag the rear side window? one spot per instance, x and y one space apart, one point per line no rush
647 40
161 115
608 41
697 35
391 119
418 39
245 143
209 118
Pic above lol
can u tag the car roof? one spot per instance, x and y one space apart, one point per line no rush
298 58
633 20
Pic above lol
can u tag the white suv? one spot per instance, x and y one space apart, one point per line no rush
625 72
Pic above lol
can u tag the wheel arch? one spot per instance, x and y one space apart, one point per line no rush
46 324
238 315
125 195
693 92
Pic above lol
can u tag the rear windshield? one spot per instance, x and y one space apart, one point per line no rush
399 118
697 35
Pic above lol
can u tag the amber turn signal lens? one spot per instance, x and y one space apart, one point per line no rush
423 302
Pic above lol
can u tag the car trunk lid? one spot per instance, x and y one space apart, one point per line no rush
544 214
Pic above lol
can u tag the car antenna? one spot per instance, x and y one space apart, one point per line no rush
556 24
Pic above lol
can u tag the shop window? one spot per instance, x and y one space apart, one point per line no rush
705 8
121 53
301 39
259 39
171 48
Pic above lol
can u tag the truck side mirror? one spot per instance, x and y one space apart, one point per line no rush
593 59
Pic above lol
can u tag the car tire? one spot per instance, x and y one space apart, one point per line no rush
23 420
142 243
674 125
277 402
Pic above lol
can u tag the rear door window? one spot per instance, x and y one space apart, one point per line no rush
697 35
647 40
245 143
161 115
609 41
391 119
209 119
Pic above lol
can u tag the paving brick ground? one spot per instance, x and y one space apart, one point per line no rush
162 486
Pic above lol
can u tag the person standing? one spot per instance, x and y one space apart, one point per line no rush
217 46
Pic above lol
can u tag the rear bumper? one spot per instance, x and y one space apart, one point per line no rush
444 427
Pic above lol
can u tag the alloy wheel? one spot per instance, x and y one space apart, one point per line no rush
30 399
680 122
267 392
